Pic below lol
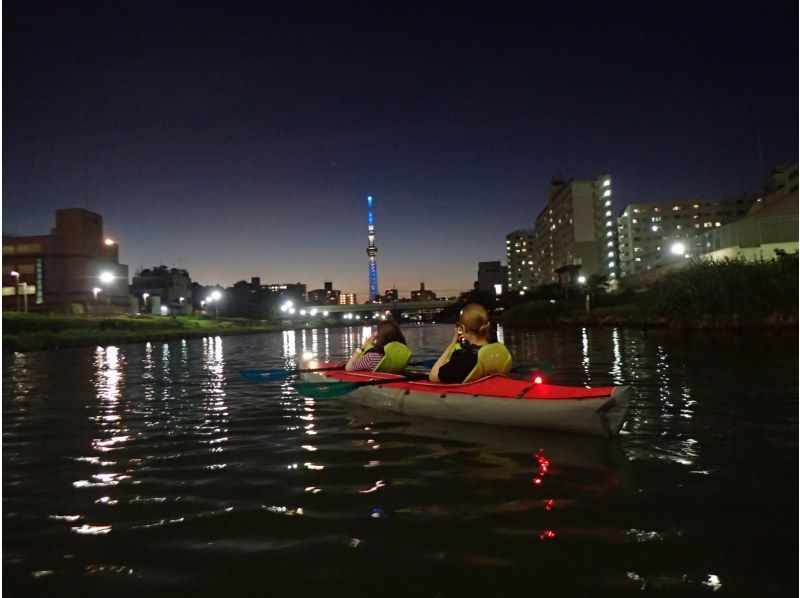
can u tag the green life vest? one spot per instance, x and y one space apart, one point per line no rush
493 358
395 358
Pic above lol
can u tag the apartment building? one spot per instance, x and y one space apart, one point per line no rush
770 225
519 257
576 228
659 233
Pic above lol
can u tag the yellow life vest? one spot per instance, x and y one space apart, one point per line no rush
395 358
493 358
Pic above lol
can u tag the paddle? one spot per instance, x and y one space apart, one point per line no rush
258 375
337 388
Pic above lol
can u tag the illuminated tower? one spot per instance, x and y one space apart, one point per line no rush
371 252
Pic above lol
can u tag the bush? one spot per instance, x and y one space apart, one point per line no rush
727 292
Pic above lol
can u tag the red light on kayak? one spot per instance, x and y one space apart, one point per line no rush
538 380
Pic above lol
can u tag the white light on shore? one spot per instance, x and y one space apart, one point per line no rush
678 248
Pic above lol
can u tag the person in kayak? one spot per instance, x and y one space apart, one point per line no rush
384 351
469 355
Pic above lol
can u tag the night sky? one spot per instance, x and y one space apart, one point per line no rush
241 139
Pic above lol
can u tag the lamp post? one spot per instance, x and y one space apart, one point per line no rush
15 274
107 278
25 295
216 296
96 291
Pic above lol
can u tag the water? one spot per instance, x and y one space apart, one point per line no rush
155 468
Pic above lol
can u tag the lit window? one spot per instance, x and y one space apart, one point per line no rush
608 202
637 259
609 233
678 227
606 183
675 208
655 228
611 243
608 223
717 224
610 254
608 213
607 192
634 220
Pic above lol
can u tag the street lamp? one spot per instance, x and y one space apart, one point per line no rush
15 274
215 297
96 291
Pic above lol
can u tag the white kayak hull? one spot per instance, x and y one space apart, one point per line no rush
598 415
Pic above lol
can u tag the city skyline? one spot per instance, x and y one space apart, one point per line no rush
239 141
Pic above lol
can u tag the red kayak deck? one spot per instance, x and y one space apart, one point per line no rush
497 385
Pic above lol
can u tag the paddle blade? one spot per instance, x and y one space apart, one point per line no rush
265 375
324 390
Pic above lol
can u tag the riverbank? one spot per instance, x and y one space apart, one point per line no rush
35 332
704 295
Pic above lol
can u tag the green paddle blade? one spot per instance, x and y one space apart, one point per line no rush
265 375
325 390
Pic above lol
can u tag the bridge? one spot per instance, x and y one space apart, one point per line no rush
383 307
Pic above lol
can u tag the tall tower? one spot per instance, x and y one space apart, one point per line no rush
371 252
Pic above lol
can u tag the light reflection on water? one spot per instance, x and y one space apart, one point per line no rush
163 462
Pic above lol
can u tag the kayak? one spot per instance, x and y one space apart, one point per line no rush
495 399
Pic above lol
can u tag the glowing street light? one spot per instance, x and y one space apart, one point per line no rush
106 277
15 274
678 248
581 279
96 291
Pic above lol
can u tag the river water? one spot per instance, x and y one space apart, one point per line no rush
154 468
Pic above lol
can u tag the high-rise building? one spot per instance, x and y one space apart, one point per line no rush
519 257
391 295
75 267
658 233
372 251
576 228
347 299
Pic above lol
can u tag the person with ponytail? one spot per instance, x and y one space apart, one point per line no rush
460 361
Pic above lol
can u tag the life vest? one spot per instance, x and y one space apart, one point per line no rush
493 358
395 358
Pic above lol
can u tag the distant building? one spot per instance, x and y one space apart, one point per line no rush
491 276
659 233
163 287
63 270
391 295
347 299
576 228
422 294
519 257
286 290
770 225
325 296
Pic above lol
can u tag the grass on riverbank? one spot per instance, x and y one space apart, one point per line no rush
704 294
31 332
